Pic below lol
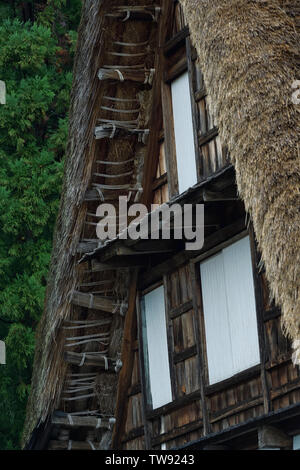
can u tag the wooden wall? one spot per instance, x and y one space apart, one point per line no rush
198 408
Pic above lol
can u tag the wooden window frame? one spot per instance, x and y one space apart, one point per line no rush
250 372
143 343
185 62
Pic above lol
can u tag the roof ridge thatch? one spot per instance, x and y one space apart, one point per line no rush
249 55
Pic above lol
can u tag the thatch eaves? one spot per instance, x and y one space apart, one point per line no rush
249 53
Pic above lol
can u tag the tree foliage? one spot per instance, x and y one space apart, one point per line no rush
37 43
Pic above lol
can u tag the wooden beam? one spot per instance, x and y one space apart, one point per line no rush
139 76
176 41
93 302
82 421
90 359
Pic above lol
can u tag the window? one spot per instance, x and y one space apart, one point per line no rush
156 347
184 133
229 311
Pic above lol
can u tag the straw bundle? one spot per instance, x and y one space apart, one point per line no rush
249 55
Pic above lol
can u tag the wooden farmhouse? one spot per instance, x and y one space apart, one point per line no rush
145 344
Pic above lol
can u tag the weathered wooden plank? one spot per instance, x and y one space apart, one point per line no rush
82 421
186 354
178 311
139 76
176 41
175 405
93 302
90 359
175 433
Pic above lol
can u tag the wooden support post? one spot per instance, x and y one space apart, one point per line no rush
271 438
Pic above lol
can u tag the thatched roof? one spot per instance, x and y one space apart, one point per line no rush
249 54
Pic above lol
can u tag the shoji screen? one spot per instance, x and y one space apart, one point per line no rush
230 311
184 136
157 347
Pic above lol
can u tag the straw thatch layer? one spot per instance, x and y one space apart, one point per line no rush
249 55
49 369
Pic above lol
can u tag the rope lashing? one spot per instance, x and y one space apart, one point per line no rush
116 110
118 366
149 77
131 44
106 162
99 421
70 420
119 175
128 13
126 54
113 132
111 421
70 295
80 397
101 195
92 445
122 79
82 360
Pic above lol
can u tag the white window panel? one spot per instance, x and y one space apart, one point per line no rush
184 134
230 311
157 345
241 305
219 354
